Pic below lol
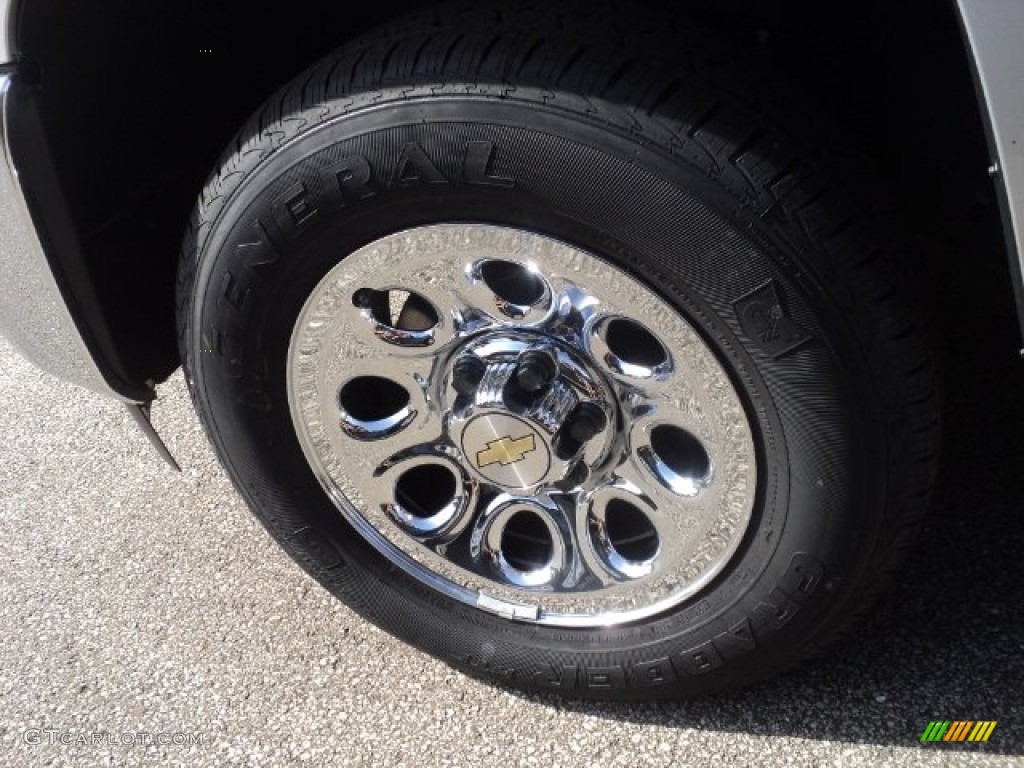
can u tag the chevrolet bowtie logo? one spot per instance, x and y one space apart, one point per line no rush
505 451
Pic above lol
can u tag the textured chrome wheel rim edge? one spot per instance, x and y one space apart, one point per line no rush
669 479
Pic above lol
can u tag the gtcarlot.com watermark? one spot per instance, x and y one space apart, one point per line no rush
51 736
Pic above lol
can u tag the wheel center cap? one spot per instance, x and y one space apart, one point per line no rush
506 450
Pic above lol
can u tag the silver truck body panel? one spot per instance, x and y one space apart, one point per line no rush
34 315
7 10
995 35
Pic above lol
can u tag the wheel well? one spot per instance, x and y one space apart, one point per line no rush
139 100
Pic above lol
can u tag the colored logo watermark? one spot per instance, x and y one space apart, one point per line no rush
958 730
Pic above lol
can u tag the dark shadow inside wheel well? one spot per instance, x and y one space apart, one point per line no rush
139 100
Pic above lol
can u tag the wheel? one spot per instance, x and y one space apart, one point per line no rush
568 362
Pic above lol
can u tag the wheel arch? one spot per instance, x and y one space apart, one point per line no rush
136 105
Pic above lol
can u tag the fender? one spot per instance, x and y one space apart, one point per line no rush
992 33
48 309
8 25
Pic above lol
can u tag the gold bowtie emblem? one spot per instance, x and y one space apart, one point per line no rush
505 451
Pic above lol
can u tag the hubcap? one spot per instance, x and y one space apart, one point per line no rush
520 425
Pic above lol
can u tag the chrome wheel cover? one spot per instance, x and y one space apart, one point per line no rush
520 425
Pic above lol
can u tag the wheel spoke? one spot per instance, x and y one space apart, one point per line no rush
528 542
506 290
426 493
423 436
629 350
637 527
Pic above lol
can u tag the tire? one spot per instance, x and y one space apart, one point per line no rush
703 214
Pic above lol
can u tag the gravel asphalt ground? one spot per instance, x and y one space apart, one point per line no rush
140 601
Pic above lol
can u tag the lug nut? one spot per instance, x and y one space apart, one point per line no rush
467 373
537 368
586 421
575 477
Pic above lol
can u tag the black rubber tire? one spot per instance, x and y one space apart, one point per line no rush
680 168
